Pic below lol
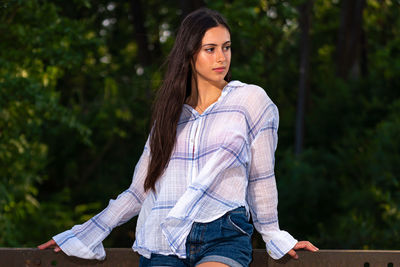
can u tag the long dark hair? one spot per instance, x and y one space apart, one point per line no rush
175 88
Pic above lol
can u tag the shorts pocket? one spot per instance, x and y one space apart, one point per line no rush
239 222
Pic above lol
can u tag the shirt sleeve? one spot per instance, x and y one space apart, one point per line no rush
262 195
85 240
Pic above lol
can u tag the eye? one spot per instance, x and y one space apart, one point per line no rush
228 47
211 49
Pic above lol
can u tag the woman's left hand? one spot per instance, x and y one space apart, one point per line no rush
302 245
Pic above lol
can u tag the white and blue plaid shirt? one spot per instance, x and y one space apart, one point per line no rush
223 159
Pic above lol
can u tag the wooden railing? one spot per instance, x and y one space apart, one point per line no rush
124 257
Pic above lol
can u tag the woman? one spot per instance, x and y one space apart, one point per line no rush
206 166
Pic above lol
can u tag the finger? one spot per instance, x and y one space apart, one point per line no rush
57 249
293 254
47 244
300 245
310 247
305 245
314 248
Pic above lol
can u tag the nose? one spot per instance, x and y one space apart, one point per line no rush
220 55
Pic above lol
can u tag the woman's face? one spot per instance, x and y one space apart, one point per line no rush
213 59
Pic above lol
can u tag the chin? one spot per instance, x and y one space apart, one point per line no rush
215 79
219 81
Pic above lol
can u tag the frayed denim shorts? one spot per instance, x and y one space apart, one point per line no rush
226 240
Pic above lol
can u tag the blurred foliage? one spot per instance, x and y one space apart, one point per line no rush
75 105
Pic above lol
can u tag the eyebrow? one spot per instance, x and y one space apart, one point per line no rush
216 44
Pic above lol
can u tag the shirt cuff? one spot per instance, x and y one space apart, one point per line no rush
281 243
72 246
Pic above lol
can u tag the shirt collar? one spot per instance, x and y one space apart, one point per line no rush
226 90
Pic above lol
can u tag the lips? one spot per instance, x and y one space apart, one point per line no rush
220 69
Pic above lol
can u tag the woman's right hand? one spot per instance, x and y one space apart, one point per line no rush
50 244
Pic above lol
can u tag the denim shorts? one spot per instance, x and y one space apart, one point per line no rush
226 240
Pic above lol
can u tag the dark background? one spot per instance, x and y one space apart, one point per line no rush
77 79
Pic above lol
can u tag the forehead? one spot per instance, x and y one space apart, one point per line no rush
216 35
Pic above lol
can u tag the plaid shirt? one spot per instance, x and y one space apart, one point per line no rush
223 159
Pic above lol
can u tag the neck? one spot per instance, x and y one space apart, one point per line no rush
204 94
